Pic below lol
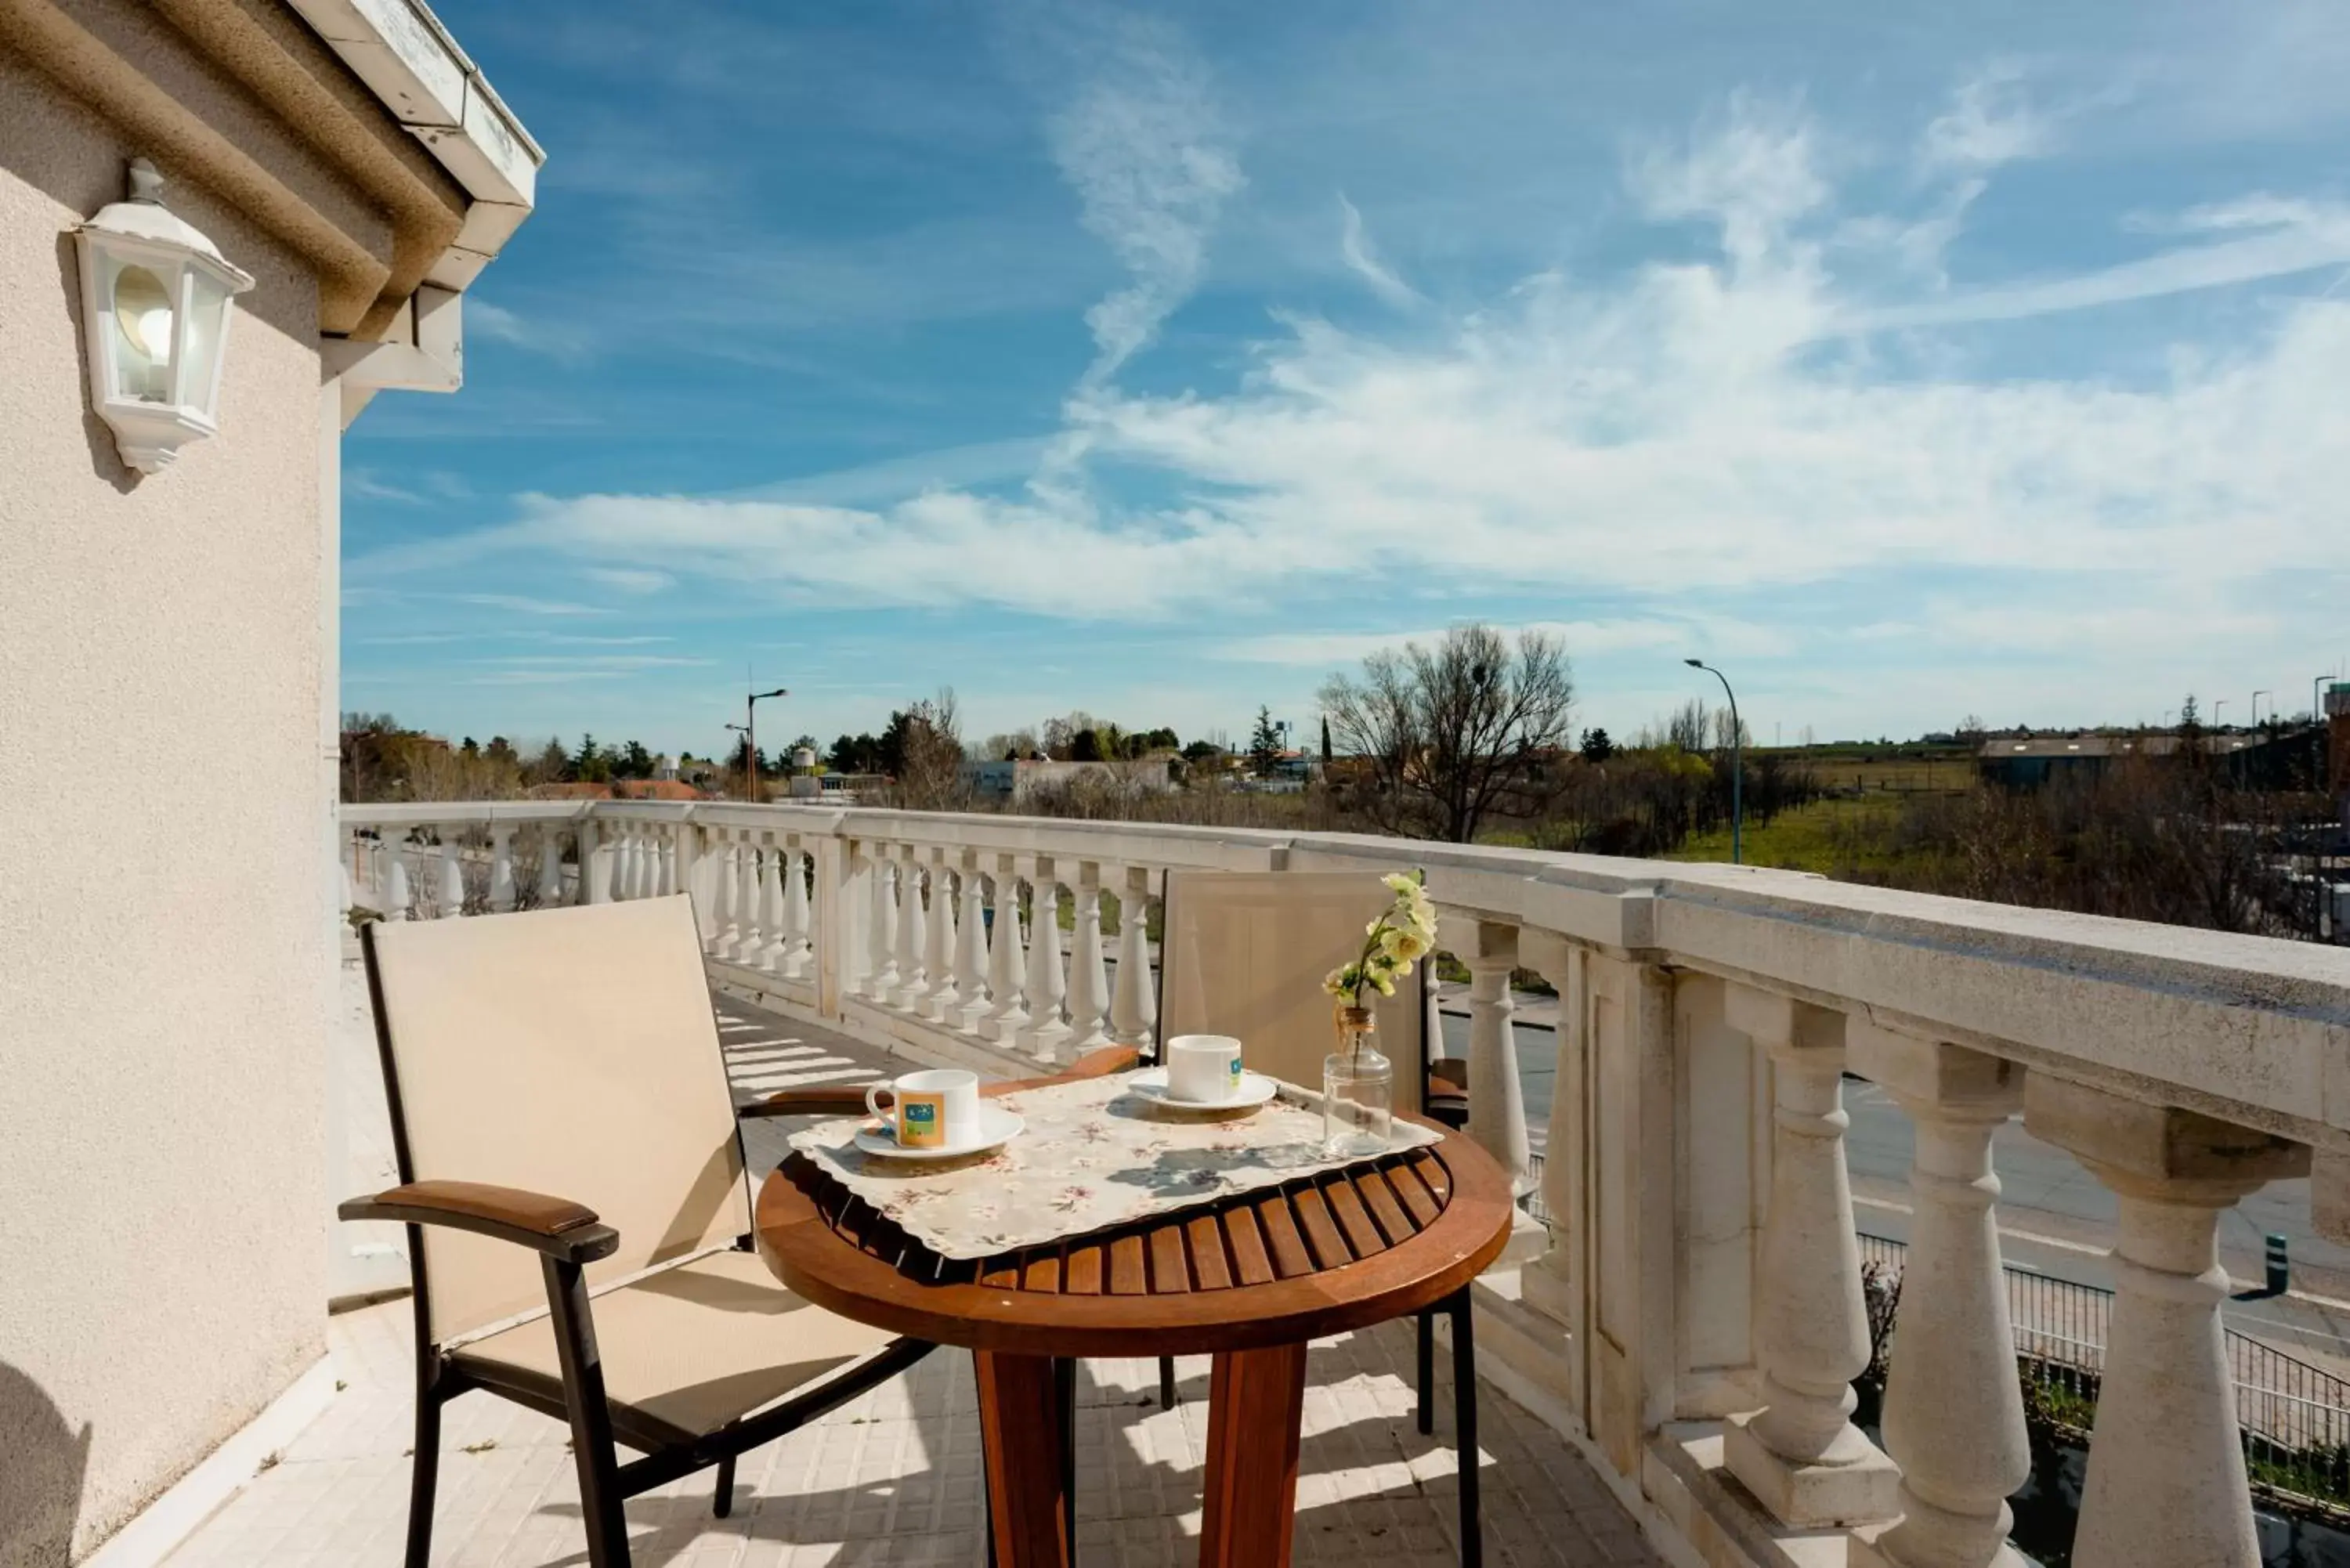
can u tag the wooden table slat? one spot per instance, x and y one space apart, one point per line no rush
1404 1183
1290 1256
1170 1273
1081 1268
1128 1274
1247 1244
1321 1231
1001 1272
1042 1273
1371 1187
1210 1271
1431 1169
1363 1236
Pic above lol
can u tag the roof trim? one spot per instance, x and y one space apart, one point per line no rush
403 54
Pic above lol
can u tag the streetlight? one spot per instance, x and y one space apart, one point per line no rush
744 731
751 733
1737 763
2219 706
2256 707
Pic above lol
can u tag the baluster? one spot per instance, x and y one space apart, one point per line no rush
1007 957
941 997
623 857
665 882
1801 1455
771 907
799 943
550 866
644 853
1046 986
1133 1007
1497 1103
882 906
727 923
908 989
453 875
970 953
1089 994
396 895
591 885
2166 1487
502 877
1954 1412
748 940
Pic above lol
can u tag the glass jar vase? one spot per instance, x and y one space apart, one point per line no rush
1358 1087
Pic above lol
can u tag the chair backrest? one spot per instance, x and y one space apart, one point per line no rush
1244 954
569 1052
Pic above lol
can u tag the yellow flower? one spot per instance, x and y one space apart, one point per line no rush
1404 944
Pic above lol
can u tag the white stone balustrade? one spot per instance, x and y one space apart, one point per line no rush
1695 1314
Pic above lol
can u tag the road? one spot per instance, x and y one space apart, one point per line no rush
2053 1217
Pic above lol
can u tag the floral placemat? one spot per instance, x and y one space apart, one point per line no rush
1093 1155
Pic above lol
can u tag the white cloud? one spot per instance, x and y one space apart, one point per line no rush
631 579
526 605
535 334
1145 147
1355 246
1989 123
1675 437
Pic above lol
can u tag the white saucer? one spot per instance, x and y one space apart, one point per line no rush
1255 1090
997 1127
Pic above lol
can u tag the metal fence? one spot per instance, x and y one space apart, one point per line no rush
2295 1417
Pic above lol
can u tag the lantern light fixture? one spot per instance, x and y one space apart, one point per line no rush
156 296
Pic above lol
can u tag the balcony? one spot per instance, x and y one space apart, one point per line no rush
1685 1330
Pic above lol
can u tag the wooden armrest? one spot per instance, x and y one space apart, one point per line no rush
1453 1072
1098 1064
555 1226
808 1101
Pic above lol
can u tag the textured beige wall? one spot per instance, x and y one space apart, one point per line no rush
163 930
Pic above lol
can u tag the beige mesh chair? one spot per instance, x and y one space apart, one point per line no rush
569 1158
1244 954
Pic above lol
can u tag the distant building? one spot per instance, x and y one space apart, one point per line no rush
1017 781
2030 761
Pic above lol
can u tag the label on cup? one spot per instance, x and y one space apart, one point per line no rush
921 1119
1233 1085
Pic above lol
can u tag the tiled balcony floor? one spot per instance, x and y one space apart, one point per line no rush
893 1477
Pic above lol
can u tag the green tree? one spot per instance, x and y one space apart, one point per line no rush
591 765
1265 742
1086 746
1596 746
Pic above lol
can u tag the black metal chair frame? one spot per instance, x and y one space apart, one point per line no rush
597 1424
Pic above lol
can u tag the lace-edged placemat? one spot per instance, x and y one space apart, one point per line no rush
1093 1155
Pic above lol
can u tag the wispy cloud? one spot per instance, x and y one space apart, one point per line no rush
1355 246
524 604
362 482
1145 147
631 579
537 333
1990 122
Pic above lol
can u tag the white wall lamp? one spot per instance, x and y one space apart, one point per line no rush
156 301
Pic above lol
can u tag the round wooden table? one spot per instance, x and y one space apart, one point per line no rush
1251 1280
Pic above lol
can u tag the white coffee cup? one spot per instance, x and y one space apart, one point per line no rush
1203 1069
936 1108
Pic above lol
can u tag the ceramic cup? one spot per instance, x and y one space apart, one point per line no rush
934 1109
1203 1069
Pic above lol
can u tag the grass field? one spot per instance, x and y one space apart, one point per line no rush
1856 827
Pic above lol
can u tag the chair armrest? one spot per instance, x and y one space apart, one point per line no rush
809 1102
555 1226
1450 1071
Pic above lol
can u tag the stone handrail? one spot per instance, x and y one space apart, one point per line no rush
1697 1313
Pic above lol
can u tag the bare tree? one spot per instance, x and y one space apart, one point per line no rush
931 776
1446 735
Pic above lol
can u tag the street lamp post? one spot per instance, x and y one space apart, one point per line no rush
2256 707
1737 764
751 733
751 756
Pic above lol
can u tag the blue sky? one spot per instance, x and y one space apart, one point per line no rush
1909 362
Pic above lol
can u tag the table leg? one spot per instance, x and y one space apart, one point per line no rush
1255 1401
1020 1427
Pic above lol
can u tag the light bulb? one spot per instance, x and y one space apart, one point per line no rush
143 311
155 332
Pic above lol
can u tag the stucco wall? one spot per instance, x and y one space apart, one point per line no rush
163 1009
